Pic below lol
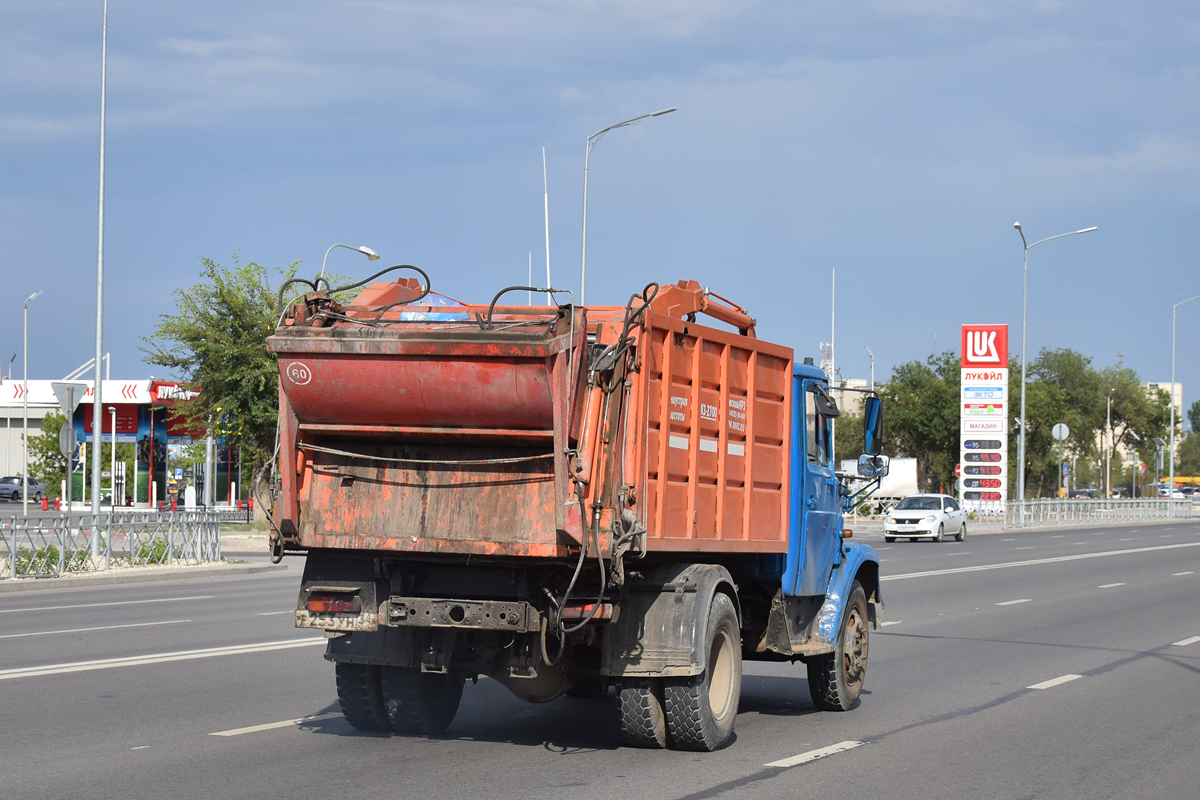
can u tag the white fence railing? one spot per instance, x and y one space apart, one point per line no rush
1075 512
45 547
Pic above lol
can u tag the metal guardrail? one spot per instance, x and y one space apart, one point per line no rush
46 547
1073 512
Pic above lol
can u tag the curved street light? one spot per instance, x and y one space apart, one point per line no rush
1024 310
591 142
1174 308
25 401
366 251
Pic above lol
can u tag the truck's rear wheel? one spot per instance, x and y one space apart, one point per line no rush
835 679
360 697
642 715
422 703
701 709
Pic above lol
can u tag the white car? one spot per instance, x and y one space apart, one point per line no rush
920 516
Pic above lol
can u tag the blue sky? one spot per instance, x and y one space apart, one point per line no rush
894 141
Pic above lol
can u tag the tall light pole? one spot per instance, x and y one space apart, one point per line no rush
1137 462
97 402
25 400
591 142
366 251
872 355
1108 447
1172 453
1024 314
8 432
112 464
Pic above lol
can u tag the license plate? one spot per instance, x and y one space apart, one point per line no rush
908 528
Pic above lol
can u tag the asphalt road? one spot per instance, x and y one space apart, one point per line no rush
1046 664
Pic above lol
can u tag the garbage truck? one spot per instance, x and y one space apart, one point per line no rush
633 499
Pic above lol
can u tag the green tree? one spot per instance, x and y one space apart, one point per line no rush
1187 461
46 461
1193 415
1064 389
216 342
922 416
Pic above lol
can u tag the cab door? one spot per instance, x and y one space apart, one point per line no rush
815 502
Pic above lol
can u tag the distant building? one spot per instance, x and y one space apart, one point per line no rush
849 401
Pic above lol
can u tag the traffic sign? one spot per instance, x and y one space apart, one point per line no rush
66 440
1060 431
957 470
69 395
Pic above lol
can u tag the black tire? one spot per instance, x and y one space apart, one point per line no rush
889 538
641 712
701 709
37 497
962 532
835 679
359 695
941 534
421 703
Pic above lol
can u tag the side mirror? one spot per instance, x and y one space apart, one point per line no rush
870 466
873 425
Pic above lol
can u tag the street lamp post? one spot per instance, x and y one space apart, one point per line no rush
25 401
1024 314
366 251
97 407
112 462
1137 462
872 355
1108 446
1174 309
591 142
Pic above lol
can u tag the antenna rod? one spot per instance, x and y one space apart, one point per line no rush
546 201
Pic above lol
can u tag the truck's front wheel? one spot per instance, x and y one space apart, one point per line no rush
701 709
422 703
835 679
360 697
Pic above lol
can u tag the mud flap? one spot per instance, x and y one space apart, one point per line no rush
661 628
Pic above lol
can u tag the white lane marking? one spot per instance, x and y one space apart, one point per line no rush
813 755
1008 540
1109 585
1036 561
141 747
1168 536
98 628
1028 547
1181 574
1055 682
272 613
272 725
155 658
890 622
1127 539
1098 533
1058 536
1015 602
1186 642
115 603
950 555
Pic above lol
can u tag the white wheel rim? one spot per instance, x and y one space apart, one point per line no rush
720 675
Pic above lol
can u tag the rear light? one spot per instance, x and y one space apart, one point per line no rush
582 610
330 603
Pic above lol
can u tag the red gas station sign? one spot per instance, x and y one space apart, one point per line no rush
985 346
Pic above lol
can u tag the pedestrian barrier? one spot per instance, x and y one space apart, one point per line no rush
48 547
1074 512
